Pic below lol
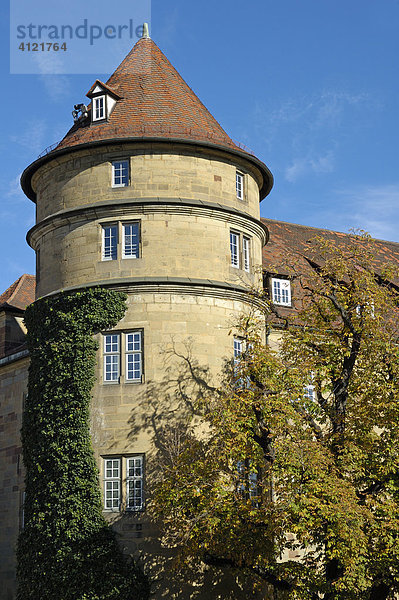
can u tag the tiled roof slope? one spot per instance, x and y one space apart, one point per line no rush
20 293
155 102
291 239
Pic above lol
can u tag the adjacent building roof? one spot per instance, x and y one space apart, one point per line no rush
292 240
19 294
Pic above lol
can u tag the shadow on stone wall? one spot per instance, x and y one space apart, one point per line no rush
166 412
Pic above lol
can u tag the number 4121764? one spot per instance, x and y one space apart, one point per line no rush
42 46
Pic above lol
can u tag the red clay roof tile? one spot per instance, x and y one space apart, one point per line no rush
156 102
292 240
20 293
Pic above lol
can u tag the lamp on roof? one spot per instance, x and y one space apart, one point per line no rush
79 112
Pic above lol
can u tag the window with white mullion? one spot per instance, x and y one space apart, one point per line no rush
110 242
111 357
131 240
120 173
310 390
99 108
281 291
238 365
134 483
134 368
235 249
238 348
248 482
239 185
112 483
245 253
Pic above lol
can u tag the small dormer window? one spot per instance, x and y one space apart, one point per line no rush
103 100
99 108
281 291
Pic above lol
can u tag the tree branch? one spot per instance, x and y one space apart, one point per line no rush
264 574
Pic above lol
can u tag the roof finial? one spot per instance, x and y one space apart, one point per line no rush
146 34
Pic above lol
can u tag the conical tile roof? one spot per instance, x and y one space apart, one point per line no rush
155 103
152 102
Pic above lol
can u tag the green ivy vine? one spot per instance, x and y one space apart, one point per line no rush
66 550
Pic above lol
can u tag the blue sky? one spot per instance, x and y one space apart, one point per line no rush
310 86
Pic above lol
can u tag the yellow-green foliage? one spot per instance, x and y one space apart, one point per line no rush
327 468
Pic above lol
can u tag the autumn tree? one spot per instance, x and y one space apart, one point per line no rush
294 481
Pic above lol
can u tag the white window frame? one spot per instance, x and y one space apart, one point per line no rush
310 389
135 483
99 111
246 253
130 250
123 482
239 185
235 249
126 344
112 484
134 356
310 392
247 485
120 240
240 251
112 357
109 250
368 306
280 291
238 349
120 173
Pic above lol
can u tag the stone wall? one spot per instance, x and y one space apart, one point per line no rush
13 386
160 170
184 295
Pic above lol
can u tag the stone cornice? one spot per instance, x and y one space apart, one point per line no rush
174 285
266 175
13 357
126 208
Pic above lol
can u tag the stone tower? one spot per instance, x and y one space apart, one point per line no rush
147 194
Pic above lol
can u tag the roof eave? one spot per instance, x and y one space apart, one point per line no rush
31 169
9 307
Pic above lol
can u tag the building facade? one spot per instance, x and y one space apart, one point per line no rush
146 194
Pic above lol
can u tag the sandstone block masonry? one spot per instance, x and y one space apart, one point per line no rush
13 386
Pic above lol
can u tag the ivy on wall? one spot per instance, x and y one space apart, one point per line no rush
66 550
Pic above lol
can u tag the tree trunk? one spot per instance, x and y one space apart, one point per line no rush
379 591
333 572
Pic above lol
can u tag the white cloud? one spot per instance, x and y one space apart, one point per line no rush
305 133
57 86
331 106
169 27
300 167
13 188
372 208
322 109
32 136
50 63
